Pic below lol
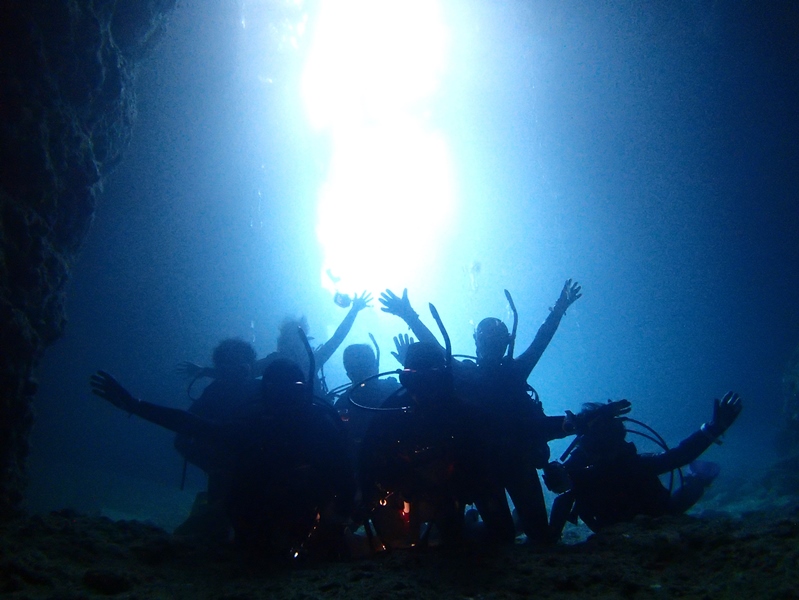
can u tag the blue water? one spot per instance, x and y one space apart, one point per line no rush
649 152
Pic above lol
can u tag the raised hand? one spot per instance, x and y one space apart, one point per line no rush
108 388
725 411
570 293
394 305
361 302
402 342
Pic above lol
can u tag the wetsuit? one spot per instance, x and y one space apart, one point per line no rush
222 401
372 394
287 464
513 434
424 456
617 487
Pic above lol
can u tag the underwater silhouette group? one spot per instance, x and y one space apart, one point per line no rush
427 454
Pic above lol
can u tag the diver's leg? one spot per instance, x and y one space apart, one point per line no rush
561 509
687 495
451 522
525 490
492 504
694 485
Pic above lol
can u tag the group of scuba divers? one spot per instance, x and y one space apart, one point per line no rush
430 457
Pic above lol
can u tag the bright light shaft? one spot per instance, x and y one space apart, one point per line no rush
371 75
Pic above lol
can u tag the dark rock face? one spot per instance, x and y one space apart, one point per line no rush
67 107
67 555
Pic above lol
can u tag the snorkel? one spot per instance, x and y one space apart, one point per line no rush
311 363
444 334
447 348
512 343
377 350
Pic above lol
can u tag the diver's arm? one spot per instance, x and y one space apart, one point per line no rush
551 428
725 411
190 369
527 361
323 354
179 421
686 452
401 307
421 331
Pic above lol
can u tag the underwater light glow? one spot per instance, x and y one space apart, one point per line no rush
372 71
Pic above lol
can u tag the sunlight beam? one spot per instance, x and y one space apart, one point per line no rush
372 73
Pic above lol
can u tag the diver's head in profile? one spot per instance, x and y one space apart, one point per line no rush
289 342
491 339
425 373
234 359
603 433
360 362
283 384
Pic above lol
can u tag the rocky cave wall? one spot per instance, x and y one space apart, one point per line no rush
67 107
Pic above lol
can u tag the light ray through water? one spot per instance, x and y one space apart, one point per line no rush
369 82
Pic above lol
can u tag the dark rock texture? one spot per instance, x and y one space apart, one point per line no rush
66 555
67 107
